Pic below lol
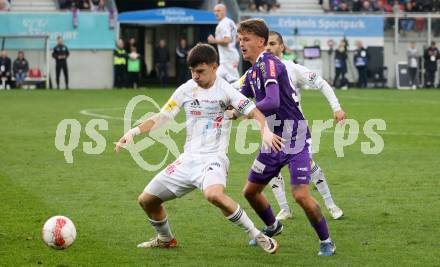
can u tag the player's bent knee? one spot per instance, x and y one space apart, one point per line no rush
214 196
301 196
146 200
248 194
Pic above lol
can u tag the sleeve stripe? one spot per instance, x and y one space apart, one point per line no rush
270 81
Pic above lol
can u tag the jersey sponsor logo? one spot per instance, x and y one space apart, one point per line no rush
195 112
302 169
311 76
170 169
214 123
272 69
243 104
258 167
302 178
208 101
170 105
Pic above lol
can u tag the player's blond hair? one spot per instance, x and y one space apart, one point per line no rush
254 26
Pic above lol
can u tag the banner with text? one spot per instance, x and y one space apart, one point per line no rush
300 31
93 31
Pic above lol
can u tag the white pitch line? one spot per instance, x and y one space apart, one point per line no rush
87 112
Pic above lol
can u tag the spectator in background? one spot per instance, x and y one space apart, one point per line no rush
131 42
21 68
367 7
341 66
134 67
260 5
343 7
407 24
181 66
97 5
60 54
360 61
4 5
356 5
5 70
413 64
431 55
161 61
119 64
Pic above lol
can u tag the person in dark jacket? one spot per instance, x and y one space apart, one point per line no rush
119 65
5 70
60 54
361 61
161 61
341 66
20 68
181 66
431 55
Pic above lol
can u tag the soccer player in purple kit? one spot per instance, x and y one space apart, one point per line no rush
268 83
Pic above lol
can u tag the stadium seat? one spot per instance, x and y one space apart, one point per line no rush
34 73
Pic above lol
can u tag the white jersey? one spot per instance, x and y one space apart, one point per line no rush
227 53
300 76
207 131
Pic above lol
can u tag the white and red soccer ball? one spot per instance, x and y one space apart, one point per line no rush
59 232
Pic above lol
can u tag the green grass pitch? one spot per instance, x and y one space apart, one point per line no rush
391 200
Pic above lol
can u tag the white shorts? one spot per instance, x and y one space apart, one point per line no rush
228 71
187 173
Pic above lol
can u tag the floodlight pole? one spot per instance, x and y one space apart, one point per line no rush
396 33
47 62
429 28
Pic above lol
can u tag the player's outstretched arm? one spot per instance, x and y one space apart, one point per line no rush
325 88
268 138
152 123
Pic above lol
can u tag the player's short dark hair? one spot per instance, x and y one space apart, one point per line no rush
279 37
201 53
254 26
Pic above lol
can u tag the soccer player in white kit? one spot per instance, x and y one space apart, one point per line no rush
204 163
300 76
225 39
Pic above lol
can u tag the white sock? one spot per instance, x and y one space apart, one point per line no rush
277 185
273 226
318 178
328 240
240 218
163 229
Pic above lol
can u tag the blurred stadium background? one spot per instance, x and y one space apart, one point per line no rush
90 29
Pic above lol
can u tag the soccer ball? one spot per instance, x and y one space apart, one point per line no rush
59 232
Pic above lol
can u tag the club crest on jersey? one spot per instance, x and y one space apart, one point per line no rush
272 69
262 68
222 104
311 76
